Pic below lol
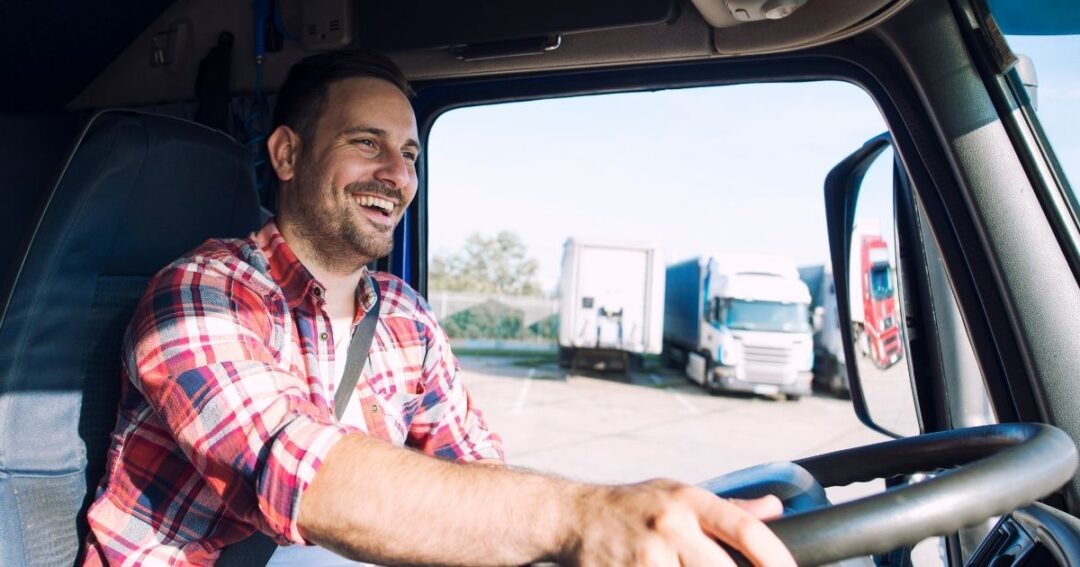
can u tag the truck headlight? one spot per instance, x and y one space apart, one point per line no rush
730 351
886 323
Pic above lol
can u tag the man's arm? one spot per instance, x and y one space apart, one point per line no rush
376 502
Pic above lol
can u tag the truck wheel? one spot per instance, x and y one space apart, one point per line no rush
668 357
709 385
566 357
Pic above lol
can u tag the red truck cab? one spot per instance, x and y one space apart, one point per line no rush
879 337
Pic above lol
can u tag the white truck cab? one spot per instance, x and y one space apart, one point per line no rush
750 329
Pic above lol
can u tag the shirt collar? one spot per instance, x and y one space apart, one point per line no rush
295 280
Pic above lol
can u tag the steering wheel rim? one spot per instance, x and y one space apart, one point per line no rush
994 469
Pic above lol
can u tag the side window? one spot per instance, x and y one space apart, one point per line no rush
638 285
969 402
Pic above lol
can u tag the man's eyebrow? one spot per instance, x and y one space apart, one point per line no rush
362 129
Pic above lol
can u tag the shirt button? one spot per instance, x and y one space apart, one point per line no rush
374 408
323 336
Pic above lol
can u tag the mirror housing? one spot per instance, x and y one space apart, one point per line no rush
842 192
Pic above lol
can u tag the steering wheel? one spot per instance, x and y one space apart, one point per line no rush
992 470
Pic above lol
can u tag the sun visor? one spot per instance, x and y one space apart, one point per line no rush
404 25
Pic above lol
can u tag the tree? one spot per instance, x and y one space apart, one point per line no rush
487 320
498 265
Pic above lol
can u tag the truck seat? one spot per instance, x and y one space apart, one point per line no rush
136 192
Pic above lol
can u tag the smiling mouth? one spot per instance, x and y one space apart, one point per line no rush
379 205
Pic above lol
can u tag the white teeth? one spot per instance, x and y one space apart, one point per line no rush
385 205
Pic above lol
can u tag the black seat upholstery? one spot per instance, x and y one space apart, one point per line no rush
37 145
137 192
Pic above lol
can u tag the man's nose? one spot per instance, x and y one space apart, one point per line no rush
394 170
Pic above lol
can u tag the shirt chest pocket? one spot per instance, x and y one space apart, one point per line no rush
401 407
385 414
394 384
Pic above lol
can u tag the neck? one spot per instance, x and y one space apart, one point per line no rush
339 280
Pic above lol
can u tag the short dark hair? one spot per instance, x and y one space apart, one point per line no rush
302 97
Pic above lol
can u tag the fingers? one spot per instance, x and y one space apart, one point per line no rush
696 549
765 508
669 523
732 523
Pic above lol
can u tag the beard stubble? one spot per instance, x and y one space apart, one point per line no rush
330 228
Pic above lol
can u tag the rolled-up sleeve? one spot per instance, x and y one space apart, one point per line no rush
203 354
447 424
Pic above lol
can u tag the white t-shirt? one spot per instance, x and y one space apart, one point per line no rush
313 555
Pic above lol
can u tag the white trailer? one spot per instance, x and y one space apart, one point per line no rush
611 299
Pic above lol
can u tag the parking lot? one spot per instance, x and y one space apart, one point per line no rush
609 427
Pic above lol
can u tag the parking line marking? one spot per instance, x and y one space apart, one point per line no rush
690 408
523 393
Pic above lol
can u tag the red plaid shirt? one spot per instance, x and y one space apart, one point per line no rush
227 409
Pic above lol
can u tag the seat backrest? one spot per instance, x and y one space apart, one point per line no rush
136 193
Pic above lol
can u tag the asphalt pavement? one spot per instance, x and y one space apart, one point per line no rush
614 427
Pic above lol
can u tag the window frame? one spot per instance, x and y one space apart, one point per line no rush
870 63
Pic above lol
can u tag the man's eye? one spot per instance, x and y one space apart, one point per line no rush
366 142
411 156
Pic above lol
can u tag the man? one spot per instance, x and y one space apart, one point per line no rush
233 357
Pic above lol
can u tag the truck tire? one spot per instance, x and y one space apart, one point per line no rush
667 356
710 386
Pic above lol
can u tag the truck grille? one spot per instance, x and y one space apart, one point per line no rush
892 344
767 355
767 364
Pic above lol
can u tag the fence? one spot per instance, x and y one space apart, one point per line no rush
499 322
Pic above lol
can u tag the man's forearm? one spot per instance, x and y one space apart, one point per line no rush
374 501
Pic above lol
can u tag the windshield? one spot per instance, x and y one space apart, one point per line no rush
881 282
767 316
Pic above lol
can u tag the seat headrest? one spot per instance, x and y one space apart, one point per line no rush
175 183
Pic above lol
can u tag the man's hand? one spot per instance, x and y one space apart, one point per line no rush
663 522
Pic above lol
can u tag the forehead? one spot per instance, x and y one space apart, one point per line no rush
368 101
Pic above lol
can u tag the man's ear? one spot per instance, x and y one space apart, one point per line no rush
284 146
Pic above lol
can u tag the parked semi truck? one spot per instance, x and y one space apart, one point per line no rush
611 300
740 323
830 372
874 316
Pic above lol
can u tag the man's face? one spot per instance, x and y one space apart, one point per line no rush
355 177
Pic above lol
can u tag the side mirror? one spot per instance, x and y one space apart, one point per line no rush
716 311
860 207
817 318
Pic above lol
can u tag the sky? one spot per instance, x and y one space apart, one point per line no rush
698 171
